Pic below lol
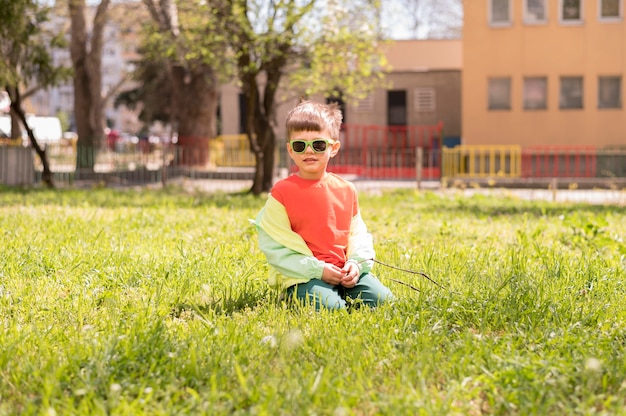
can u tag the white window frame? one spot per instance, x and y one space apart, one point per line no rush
619 92
617 18
563 96
581 11
495 105
509 19
530 19
526 89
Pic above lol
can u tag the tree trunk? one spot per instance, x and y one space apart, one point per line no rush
195 101
16 130
268 162
87 63
18 112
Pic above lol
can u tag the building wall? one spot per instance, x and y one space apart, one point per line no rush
425 64
446 85
552 49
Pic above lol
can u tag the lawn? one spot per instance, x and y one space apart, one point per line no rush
155 302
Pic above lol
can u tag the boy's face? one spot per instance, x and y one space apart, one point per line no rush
311 163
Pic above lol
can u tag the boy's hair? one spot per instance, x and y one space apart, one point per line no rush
312 116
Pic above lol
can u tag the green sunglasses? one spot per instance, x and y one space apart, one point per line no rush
318 145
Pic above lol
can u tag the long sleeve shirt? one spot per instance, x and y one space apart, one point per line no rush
305 224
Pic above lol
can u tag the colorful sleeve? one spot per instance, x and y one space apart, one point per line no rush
284 249
360 245
288 262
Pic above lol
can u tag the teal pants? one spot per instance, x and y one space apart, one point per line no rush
323 295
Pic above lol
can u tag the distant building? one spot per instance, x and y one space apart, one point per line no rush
425 89
544 72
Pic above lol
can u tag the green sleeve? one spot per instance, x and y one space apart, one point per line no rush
288 262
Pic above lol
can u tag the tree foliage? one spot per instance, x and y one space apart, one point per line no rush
275 50
25 47
326 48
183 56
425 19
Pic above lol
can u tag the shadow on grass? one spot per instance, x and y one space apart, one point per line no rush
225 305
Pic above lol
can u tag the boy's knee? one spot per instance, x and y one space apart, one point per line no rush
374 293
319 297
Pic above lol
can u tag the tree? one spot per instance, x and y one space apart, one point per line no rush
192 44
26 61
324 47
184 53
86 52
425 19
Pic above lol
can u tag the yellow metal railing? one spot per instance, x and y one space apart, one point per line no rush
232 150
482 161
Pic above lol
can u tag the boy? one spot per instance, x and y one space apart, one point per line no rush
310 229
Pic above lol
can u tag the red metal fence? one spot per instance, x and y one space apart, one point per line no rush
559 162
388 152
367 152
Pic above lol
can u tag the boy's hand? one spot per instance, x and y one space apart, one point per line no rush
332 274
351 275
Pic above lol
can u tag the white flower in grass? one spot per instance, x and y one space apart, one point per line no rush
593 364
51 411
294 339
269 340
341 411
115 388
205 294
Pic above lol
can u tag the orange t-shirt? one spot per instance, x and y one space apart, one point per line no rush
321 212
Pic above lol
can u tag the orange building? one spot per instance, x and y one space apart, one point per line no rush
544 72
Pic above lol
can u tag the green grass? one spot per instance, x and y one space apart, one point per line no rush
156 302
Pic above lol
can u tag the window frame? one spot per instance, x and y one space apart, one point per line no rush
563 96
620 100
493 105
544 105
509 20
529 20
618 18
581 11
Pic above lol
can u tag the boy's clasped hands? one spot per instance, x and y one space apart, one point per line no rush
347 276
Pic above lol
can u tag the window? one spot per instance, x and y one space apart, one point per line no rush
243 113
610 92
571 11
535 11
424 99
535 93
396 108
610 9
500 12
571 96
499 94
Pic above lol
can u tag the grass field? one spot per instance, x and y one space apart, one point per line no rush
156 303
